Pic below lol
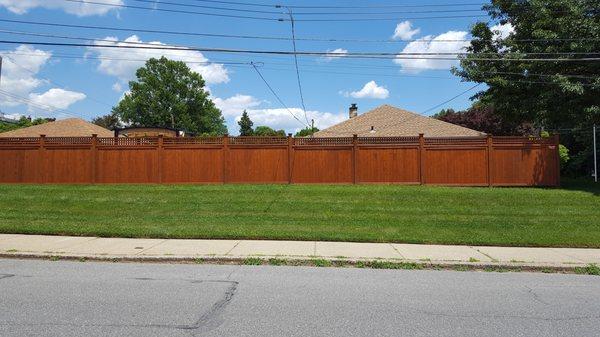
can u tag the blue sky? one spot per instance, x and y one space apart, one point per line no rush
51 81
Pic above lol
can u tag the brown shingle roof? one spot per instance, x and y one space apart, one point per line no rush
70 127
389 121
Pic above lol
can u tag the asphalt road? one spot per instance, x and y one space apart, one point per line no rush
44 298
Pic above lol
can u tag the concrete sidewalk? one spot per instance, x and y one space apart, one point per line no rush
171 249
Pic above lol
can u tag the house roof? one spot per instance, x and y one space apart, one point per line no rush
389 121
70 127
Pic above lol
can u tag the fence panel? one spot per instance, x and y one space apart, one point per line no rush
500 161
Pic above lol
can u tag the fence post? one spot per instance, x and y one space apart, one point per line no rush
490 148
225 157
160 150
557 154
41 160
94 156
290 148
421 159
354 148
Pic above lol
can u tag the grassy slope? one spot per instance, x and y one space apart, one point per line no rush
415 214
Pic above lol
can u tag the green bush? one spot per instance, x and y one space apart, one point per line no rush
563 152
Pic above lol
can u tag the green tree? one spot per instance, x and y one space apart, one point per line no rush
110 121
267 131
548 94
307 131
24 122
168 94
245 125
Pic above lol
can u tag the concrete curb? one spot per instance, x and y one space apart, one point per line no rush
315 261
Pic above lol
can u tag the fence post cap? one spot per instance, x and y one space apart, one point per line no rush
289 135
421 135
94 135
42 136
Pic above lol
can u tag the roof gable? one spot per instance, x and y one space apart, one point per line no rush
389 121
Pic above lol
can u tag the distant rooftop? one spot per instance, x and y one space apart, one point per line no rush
389 121
70 127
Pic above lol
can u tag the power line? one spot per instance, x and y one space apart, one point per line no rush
262 37
178 11
49 80
344 6
277 96
296 64
378 55
451 99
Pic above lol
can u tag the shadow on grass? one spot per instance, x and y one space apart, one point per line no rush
581 184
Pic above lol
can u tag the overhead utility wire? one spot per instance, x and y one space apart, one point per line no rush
277 96
285 38
413 56
11 60
296 64
451 99
171 3
178 11
345 6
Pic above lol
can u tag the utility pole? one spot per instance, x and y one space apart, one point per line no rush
595 159
312 127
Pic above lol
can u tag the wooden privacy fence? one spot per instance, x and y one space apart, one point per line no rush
477 161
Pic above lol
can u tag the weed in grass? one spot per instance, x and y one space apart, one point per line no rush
496 269
276 262
516 261
12 251
253 261
321 263
82 259
360 264
547 270
591 269
54 258
198 260
472 259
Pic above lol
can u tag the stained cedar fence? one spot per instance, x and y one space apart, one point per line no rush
477 161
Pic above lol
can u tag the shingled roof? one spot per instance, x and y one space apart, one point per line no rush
389 121
70 127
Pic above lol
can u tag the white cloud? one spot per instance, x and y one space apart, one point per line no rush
502 31
404 31
117 87
77 8
235 105
369 90
335 54
19 71
118 62
280 118
56 98
276 118
428 44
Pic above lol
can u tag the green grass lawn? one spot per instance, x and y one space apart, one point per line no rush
568 217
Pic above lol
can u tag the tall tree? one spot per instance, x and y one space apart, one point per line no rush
168 94
555 95
485 119
110 121
245 124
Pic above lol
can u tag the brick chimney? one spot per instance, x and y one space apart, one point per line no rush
353 111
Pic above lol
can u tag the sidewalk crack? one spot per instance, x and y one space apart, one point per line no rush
397 251
147 249
232 248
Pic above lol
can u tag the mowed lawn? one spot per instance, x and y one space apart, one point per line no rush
565 217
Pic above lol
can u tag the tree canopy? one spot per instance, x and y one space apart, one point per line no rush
110 121
307 131
267 131
24 122
167 93
554 95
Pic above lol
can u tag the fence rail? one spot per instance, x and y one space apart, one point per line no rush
472 161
